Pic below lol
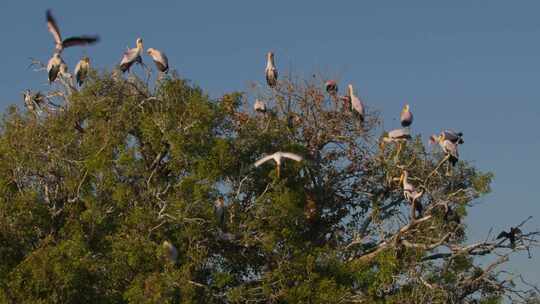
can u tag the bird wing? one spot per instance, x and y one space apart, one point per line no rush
451 148
263 160
130 56
77 69
292 156
161 61
53 28
79 40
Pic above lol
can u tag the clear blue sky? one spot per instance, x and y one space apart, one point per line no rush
468 65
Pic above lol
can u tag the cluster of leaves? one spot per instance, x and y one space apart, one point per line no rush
89 192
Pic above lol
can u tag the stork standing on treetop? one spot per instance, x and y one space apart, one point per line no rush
406 117
132 56
271 70
356 104
81 70
160 59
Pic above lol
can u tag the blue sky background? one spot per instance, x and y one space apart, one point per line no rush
468 65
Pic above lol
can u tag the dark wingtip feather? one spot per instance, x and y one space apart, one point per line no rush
49 16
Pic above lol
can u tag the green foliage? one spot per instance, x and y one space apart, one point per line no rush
89 193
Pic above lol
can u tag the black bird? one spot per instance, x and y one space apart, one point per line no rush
514 231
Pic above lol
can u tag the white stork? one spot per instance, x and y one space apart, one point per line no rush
132 56
356 103
398 136
68 42
259 106
449 147
54 66
277 158
271 70
81 70
406 117
160 59
170 251
410 193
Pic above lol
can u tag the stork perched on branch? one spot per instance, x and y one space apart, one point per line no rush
160 59
170 251
54 66
398 136
406 117
410 193
259 106
81 70
132 56
449 145
271 70
356 104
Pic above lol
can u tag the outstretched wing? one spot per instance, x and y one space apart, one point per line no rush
80 40
263 160
53 28
292 156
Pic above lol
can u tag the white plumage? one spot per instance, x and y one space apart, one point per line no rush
160 59
277 157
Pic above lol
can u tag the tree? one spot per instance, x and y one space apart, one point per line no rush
92 187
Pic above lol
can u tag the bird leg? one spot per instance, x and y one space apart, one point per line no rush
278 170
400 146
413 209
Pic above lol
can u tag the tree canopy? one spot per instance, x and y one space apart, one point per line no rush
92 188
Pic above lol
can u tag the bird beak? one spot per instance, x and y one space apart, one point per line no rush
401 178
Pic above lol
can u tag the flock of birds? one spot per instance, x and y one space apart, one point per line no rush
448 140
56 65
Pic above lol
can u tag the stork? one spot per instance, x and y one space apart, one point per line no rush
410 193
277 157
160 59
259 106
271 70
170 251
81 70
68 42
406 116
356 103
54 66
132 56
